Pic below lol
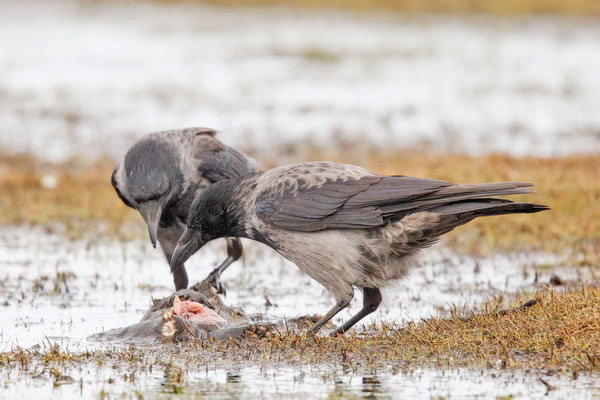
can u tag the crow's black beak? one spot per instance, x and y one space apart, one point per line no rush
151 211
187 245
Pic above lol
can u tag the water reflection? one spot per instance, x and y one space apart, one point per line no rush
233 378
173 380
296 381
371 387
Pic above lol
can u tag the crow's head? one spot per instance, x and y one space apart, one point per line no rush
148 179
211 216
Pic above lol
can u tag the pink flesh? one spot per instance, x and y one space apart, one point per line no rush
196 312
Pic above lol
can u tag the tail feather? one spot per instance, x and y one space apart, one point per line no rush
480 188
455 194
459 213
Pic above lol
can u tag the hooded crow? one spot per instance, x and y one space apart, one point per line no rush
162 173
342 225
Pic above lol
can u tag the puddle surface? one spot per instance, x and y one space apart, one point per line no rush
286 382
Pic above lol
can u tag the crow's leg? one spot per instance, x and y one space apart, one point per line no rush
371 301
336 309
168 237
180 278
234 252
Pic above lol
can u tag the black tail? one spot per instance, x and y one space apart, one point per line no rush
461 212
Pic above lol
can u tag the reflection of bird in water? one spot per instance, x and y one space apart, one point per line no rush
341 224
162 173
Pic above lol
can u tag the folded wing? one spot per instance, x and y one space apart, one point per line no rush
217 161
371 200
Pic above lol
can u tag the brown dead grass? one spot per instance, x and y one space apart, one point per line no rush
507 7
84 198
561 332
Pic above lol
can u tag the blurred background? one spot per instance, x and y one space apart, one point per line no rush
465 91
84 79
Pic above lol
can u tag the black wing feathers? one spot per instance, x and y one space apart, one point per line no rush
370 200
456 214
225 163
392 189
456 193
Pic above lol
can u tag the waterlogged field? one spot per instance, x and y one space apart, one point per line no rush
74 261
458 98
56 292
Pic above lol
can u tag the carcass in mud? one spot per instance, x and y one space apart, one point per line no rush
189 315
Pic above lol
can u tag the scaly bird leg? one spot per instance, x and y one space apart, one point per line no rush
371 301
336 309
234 252
180 278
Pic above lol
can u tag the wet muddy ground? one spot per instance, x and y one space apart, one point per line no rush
58 292
53 287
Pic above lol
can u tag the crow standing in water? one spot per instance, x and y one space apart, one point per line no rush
163 172
341 224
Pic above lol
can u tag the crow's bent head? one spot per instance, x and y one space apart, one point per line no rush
209 218
148 179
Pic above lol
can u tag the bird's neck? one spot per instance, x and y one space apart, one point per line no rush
234 194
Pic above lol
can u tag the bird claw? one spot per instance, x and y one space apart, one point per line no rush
214 279
336 333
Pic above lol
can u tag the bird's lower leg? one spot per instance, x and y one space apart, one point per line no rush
234 252
214 278
180 278
336 309
371 301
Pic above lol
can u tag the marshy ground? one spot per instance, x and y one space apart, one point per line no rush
75 262
507 93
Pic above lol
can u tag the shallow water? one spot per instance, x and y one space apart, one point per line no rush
110 285
288 382
87 78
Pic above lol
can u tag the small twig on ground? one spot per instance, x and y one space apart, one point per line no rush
549 387
504 311
64 279
527 304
